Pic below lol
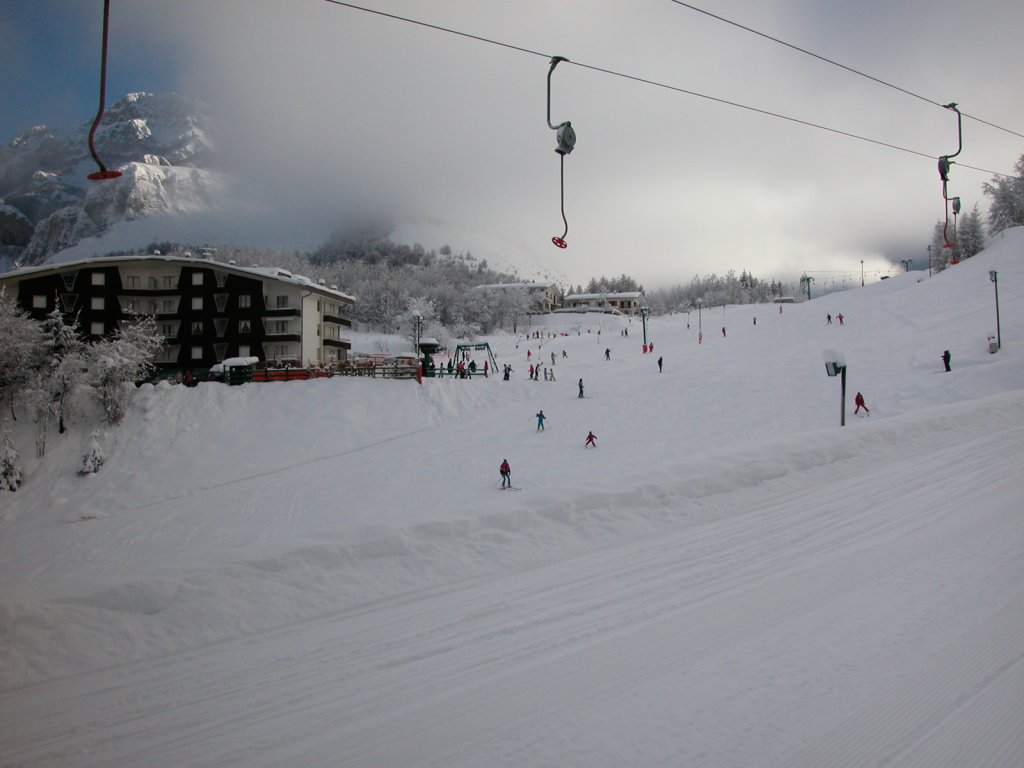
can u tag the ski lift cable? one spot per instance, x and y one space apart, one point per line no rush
102 173
655 83
834 63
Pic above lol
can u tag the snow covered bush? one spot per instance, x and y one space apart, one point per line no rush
121 361
10 469
94 457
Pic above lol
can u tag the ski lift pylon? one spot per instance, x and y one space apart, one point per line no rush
565 138
103 172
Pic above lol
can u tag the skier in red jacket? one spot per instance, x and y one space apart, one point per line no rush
859 402
591 437
506 474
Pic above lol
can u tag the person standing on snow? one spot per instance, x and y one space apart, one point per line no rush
859 402
581 387
591 438
506 474
946 357
540 420
659 365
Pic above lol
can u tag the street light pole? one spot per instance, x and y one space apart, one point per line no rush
700 304
929 261
994 277
862 273
644 312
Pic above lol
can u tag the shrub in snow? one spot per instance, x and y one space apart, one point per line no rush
10 469
123 359
94 457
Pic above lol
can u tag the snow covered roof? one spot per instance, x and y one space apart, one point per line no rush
605 295
274 273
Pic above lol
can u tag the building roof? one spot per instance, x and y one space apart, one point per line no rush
604 295
275 273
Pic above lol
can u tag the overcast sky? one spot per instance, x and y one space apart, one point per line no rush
329 110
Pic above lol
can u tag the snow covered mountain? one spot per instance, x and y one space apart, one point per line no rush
162 144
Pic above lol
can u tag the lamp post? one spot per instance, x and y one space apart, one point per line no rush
700 305
644 312
835 365
994 277
417 327
862 273
929 261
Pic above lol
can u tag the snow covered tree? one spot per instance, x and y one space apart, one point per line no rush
940 254
20 348
1007 193
65 364
10 468
970 235
125 358
93 458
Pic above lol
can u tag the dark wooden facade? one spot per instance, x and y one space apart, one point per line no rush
206 311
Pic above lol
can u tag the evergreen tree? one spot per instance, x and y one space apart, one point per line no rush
941 255
1007 193
66 357
93 458
970 235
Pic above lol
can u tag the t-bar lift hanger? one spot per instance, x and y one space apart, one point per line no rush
565 137
102 173
944 163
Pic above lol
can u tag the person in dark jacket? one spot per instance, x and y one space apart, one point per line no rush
946 357
506 474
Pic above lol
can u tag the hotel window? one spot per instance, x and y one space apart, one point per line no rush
133 281
243 350
243 327
197 353
96 329
197 329
153 283
169 306
244 301
197 302
280 326
167 329
39 301
197 278
99 278
221 300
96 302
170 281
282 302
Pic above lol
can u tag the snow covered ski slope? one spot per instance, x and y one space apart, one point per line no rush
319 574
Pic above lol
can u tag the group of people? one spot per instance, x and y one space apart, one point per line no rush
505 470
